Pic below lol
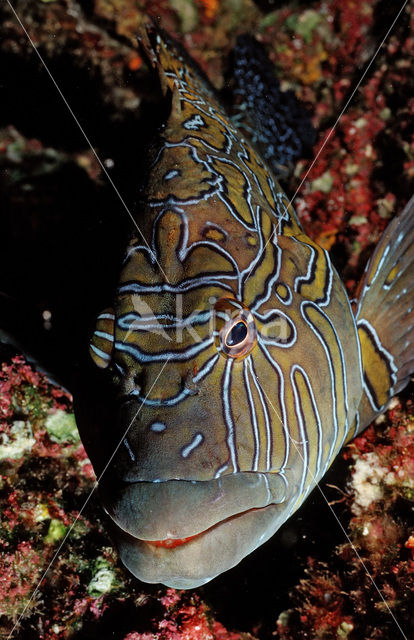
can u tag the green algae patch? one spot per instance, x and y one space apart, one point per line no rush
324 183
61 427
56 532
344 629
103 578
304 24
17 441
187 12
358 220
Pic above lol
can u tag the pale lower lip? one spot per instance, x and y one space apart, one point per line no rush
171 543
195 561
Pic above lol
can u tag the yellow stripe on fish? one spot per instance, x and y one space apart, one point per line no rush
238 364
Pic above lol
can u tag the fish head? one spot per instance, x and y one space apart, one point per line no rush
203 470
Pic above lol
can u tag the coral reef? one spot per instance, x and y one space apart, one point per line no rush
373 576
52 187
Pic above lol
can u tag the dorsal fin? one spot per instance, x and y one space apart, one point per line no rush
171 60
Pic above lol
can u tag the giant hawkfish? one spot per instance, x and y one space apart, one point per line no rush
232 367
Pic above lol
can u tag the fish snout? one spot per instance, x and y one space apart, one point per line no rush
183 508
183 533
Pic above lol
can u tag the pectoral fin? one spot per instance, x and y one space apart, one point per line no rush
385 316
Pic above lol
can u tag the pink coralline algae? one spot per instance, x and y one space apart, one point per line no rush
186 618
19 383
321 610
41 459
20 569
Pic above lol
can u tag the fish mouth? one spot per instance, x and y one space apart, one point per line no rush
184 533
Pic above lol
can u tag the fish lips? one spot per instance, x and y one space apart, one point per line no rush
224 520
182 508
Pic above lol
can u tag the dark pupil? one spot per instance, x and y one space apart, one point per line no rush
237 334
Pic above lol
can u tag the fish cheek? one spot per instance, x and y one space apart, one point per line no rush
185 441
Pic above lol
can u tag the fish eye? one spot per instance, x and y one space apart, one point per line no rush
234 329
237 334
